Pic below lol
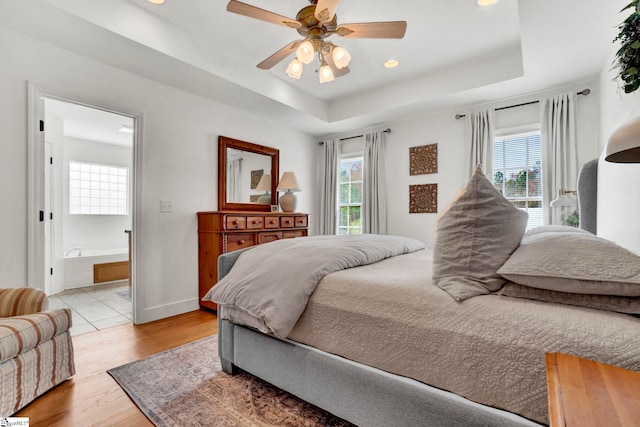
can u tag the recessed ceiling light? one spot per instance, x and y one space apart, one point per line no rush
156 1
484 3
391 63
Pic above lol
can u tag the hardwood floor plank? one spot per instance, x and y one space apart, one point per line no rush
92 397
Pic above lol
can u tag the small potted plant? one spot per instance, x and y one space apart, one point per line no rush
628 56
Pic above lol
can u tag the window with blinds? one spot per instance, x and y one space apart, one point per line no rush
517 174
350 189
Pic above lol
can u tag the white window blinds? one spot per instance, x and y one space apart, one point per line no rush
517 172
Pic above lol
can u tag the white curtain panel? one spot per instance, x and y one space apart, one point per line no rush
559 149
480 128
329 190
374 194
233 181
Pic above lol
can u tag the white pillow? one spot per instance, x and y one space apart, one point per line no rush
474 236
574 263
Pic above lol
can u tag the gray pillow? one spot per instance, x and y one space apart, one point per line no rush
555 229
574 263
628 305
474 236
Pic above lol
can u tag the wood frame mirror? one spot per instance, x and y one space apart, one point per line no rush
226 143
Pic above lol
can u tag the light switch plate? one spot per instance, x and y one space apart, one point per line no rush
166 205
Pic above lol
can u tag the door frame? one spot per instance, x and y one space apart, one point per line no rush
35 183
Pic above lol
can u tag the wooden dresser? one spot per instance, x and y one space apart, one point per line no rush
222 232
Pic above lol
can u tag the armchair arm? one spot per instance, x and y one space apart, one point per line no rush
20 301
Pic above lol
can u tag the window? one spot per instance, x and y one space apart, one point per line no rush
517 174
350 217
96 189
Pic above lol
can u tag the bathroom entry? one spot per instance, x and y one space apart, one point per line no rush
88 202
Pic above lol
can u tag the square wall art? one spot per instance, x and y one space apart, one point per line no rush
423 198
423 160
255 178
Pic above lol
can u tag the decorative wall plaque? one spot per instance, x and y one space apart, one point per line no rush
423 198
255 178
423 160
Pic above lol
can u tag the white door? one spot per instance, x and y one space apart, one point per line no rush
48 221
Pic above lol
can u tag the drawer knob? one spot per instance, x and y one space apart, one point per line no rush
241 242
272 222
235 223
255 222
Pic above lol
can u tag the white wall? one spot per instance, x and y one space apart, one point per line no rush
178 161
453 161
618 195
448 133
94 231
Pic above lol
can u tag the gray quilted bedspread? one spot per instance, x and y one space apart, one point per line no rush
489 349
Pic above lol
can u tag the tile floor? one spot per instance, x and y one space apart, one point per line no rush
96 307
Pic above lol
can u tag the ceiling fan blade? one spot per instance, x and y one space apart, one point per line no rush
326 10
279 55
261 14
337 72
373 30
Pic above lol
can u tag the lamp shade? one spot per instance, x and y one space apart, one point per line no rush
562 200
264 184
294 69
305 52
340 57
624 144
325 73
288 182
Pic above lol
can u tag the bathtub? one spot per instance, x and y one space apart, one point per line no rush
78 264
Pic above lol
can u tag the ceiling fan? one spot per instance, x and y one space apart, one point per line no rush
315 23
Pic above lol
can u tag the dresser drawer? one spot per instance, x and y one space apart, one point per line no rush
255 222
269 236
272 222
300 221
289 234
286 222
239 241
236 222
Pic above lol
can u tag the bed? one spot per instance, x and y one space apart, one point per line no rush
401 342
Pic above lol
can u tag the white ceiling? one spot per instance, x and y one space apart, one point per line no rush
454 53
90 124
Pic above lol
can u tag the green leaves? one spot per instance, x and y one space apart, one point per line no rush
628 56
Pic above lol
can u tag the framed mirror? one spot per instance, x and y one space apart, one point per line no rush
247 176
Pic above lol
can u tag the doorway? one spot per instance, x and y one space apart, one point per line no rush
85 227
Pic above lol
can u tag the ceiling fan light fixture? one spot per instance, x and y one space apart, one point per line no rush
325 73
340 57
305 52
156 1
294 69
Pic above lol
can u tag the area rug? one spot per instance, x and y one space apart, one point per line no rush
186 386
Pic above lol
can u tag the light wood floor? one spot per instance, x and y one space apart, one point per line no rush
91 397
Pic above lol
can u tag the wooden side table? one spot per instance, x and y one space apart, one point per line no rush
586 393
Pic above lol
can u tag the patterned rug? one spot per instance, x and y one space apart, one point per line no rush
186 386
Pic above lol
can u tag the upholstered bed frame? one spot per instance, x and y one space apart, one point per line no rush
355 392
359 393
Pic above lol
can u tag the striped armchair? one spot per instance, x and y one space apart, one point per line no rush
36 352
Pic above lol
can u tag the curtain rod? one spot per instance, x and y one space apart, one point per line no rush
387 130
582 92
